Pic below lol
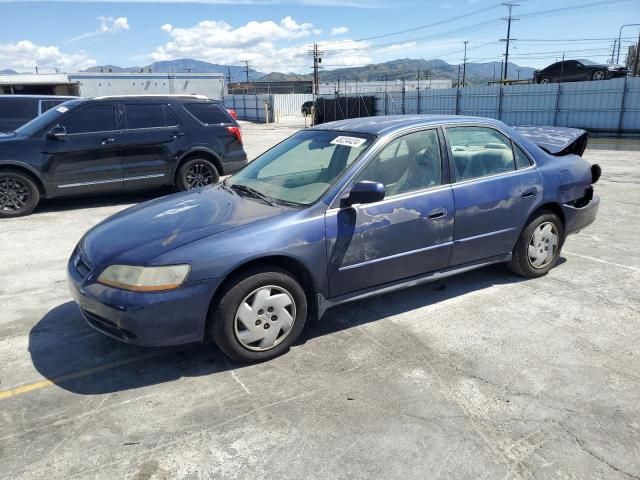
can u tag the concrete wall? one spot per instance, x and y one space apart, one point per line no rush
99 84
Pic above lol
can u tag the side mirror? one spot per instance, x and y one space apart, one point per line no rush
364 192
57 132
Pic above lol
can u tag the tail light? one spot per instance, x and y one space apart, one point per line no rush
236 132
233 113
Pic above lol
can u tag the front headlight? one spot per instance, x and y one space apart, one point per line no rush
144 279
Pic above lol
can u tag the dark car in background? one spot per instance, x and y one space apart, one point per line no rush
578 71
335 213
116 144
16 110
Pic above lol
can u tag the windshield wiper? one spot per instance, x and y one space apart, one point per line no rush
254 192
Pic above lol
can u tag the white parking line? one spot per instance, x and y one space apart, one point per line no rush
599 260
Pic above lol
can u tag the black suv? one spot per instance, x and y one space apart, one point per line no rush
16 110
117 144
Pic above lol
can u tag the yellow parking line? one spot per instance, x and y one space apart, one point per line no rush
30 387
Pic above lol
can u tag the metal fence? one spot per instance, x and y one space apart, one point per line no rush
607 106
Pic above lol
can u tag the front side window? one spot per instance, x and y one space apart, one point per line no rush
479 152
303 167
94 118
409 163
22 109
144 116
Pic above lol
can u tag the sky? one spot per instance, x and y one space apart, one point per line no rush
276 35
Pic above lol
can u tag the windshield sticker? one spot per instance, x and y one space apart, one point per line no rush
348 141
62 109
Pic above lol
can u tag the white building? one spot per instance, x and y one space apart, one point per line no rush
94 84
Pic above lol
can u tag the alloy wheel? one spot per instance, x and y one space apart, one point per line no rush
14 194
199 175
544 80
265 318
598 75
543 245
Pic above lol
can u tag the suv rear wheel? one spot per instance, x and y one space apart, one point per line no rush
19 195
195 173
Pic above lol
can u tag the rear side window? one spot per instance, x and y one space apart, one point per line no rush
480 152
522 161
94 118
145 115
208 113
19 108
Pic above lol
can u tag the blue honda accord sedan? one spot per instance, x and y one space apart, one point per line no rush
334 213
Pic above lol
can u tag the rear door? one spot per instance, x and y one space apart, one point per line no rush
151 139
494 191
87 159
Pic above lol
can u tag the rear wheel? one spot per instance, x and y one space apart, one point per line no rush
538 248
259 316
196 173
19 194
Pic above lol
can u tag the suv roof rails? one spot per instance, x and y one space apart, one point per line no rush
154 95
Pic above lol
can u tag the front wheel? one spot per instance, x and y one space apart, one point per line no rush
19 195
195 173
538 248
544 81
259 316
598 75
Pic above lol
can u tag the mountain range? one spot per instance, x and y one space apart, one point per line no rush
476 73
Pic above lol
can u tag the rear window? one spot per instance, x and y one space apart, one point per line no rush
144 116
208 113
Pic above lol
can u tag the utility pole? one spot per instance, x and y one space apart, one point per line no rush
229 76
620 38
613 53
464 65
635 63
508 19
458 82
317 59
246 70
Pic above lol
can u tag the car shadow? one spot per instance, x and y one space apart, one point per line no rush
61 204
69 353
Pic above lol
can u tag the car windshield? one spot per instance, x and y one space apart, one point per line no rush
47 118
303 167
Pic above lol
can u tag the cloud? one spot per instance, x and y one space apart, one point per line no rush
219 42
26 55
396 47
315 3
339 31
107 25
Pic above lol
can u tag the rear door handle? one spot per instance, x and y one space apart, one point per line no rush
177 134
437 213
530 193
106 141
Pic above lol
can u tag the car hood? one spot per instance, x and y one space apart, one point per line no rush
139 234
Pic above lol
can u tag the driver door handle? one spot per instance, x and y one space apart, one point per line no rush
177 134
532 192
437 213
106 141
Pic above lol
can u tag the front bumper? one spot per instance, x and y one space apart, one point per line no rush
151 319
577 218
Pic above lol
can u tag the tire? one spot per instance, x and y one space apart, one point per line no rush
544 81
535 252
196 173
19 194
599 75
262 334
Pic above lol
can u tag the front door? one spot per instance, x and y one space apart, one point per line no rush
87 159
495 187
151 139
408 233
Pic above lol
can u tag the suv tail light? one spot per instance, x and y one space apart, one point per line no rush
236 132
233 113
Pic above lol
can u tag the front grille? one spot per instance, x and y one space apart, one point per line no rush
107 326
82 265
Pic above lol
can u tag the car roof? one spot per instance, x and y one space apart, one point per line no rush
39 97
383 125
156 97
